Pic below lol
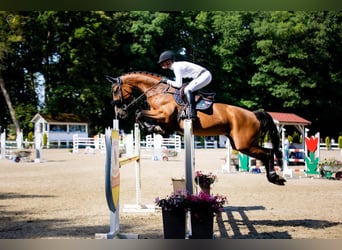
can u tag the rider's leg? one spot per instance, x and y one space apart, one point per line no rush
191 102
196 84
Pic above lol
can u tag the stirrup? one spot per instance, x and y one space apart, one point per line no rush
183 115
193 116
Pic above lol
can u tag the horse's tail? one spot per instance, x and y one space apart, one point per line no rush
268 125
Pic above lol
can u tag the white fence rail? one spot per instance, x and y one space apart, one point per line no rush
92 143
210 144
171 142
333 146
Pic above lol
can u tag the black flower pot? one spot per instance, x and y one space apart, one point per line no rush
173 225
202 227
205 188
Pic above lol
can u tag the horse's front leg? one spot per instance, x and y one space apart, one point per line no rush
138 120
141 118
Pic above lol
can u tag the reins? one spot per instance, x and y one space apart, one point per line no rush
135 100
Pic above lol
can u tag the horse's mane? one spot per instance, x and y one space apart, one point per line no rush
144 73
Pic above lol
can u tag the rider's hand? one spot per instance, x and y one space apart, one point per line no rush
164 80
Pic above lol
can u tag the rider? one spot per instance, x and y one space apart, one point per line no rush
200 76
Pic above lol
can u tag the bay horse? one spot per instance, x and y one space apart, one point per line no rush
245 129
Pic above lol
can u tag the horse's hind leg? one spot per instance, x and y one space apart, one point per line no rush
272 176
266 155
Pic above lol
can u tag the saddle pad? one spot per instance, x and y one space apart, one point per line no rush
201 104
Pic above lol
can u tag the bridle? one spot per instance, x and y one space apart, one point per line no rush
117 81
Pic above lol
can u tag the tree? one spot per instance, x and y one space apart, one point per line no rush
275 60
280 60
234 47
10 32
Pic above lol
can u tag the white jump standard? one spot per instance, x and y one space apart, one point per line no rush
112 182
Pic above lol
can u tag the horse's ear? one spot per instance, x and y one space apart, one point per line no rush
111 79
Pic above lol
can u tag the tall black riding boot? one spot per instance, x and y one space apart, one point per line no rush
191 103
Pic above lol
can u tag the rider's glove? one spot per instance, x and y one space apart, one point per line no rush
164 80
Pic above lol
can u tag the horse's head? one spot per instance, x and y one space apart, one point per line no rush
132 88
120 95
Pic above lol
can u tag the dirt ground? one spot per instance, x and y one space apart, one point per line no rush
63 197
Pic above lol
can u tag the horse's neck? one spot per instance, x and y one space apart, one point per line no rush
142 82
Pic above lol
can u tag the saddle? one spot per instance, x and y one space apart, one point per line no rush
204 101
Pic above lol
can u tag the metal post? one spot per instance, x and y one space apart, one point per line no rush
284 148
137 164
189 155
189 169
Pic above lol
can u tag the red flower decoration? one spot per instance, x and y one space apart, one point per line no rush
311 143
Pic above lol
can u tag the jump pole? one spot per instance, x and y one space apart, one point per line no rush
189 168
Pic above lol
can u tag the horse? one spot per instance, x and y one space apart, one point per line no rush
245 129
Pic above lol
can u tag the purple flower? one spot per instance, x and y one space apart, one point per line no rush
202 179
201 205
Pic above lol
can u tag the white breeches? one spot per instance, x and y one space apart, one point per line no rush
203 80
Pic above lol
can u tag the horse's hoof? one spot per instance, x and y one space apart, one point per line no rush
149 129
158 130
276 179
280 181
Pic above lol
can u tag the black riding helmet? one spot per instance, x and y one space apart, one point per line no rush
166 55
